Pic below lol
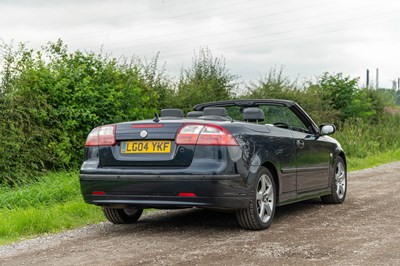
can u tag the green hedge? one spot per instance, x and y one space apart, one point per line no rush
50 99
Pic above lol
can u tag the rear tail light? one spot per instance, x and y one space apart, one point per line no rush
211 135
93 137
102 136
188 134
187 194
98 193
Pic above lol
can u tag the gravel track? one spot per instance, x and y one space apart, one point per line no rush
365 230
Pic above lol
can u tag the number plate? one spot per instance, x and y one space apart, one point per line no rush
146 146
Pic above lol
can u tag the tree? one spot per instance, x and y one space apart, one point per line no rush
344 95
275 85
207 80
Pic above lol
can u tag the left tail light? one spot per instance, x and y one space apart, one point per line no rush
102 136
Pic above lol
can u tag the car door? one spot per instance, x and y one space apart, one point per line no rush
312 153
312 161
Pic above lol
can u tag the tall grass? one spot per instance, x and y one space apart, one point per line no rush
48 190
374 159
31 221
361 139
51 204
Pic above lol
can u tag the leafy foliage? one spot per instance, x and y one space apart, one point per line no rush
276 86
207 80
333 98
343 94
50 99
23 116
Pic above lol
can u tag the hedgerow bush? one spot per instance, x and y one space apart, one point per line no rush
51 99
207 80
333 98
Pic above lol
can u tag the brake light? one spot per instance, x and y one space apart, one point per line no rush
102 136
147 125
187 194
98 193
212 135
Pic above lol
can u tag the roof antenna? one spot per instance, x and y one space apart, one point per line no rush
156 118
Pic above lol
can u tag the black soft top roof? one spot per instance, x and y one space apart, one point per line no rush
244 103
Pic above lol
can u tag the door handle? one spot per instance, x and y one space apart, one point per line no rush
300 143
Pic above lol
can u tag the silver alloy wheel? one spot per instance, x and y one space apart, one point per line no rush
340 180
265 198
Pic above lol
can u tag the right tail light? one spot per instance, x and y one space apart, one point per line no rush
204 134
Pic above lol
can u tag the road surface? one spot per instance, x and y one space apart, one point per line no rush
365 230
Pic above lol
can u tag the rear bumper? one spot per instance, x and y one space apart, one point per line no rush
162 191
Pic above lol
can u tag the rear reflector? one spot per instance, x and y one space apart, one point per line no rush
200 134
102 136
147 125
98 193
186 194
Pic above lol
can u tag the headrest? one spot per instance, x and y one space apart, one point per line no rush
253 114
218 111
171 112
194 114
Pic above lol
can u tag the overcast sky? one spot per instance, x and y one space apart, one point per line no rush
306 37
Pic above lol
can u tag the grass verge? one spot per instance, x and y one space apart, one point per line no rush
373 160
54 203
28 222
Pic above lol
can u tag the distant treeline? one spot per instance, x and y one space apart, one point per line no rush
51 98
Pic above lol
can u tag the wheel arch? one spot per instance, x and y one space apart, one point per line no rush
337 153
343 156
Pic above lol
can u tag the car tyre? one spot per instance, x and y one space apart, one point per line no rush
339 184
122 216
261 209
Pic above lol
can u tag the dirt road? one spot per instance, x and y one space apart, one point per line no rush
365 230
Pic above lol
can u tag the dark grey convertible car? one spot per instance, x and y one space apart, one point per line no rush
248 156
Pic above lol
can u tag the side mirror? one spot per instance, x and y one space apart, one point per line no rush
327 129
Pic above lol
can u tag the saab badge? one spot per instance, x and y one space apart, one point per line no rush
143 134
